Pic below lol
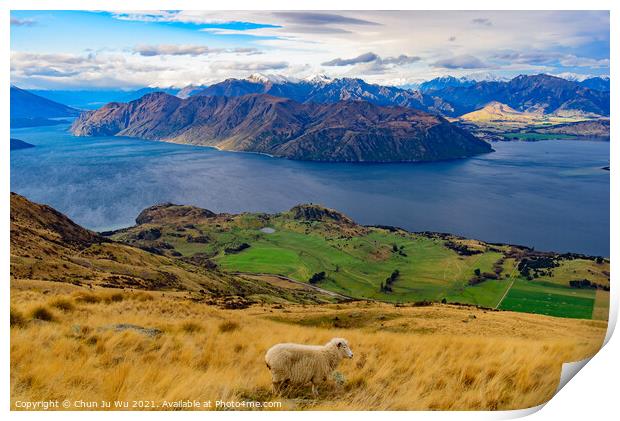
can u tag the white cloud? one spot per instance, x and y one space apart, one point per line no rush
380 46
464 61
187 50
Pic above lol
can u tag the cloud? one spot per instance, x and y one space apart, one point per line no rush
549 58
482 21
464 61
188 50
49 72
363 58
256 23
316 18
171 50
572 41
22 22
372 57
251 66
399 60
574 61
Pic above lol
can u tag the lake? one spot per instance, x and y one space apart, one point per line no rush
551 195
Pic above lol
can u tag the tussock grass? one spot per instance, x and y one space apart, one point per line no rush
17 319
113 297
62 304
228 326
434 357
42 313
191 327
87 297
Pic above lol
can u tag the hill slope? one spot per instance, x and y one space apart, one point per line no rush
20 144
497 112
311 242
46 245
437 357
28 105
346 131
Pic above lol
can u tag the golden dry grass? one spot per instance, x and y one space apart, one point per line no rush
406 358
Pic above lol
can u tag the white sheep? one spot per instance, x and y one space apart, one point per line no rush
302 364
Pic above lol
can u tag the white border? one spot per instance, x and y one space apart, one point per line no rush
592 394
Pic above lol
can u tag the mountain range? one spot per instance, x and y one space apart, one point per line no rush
323 90
539 93
448 95
344 131
443 82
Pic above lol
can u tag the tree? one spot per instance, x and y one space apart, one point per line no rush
477 271
317 277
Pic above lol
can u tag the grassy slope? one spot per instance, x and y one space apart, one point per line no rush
46 245
357 259
435 357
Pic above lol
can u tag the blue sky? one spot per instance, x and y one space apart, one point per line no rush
80 49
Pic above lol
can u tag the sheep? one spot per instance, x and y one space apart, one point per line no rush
301 364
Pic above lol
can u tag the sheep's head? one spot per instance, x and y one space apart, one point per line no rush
342 346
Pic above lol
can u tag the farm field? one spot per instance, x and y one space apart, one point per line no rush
97 344
550 299
531 136
312 242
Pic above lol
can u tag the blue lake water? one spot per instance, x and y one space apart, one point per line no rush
551 195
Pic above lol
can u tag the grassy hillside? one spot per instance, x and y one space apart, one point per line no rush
497 121
46 245
76 343
385 264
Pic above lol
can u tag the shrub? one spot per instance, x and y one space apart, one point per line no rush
17 318
42 313
228 326
62 304
317 277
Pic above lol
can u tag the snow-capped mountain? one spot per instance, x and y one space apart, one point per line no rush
270 78
443 82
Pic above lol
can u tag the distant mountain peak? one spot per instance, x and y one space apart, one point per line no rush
319 79
269 78
486 77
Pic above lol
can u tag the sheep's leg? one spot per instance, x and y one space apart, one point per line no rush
277 387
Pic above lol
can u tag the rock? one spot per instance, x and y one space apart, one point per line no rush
121 327
338 378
